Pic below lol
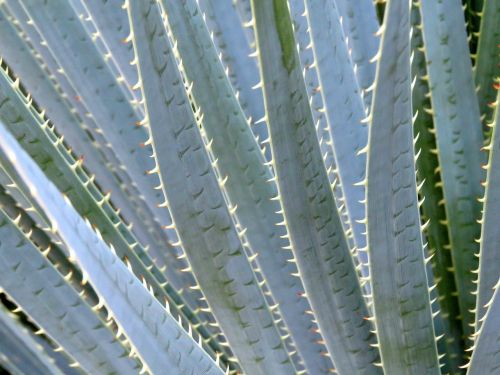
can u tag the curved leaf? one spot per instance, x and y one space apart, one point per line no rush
432 206
107 99
111 25
28 278
343 107
317 238
144 321
487 67
459 138
486 352
359 19
209 236
230 39
250 185
47 149
402 308
20 353
490 235
37 81
302 33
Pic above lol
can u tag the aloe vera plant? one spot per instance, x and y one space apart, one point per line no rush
249 187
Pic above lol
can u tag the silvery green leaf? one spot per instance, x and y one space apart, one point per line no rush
35 285
402 308
209 236
317 239
490 235
433 211
43 145
487 67
343 106
459 139
250 183
360 23
144 321
19 352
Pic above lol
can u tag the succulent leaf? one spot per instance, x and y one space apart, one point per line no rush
20 353
47 149
318 242
397 268
250 184
343 107
361 26
76 133
44 295
143 320
231 41
108 99
487 67
459 139
432 206
213 246
108 21
488 273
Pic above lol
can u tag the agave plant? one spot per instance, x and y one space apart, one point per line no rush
249 186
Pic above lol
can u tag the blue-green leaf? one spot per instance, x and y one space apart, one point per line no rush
35 285
433 211
19 352
360 23
141 317
343 107
487 67
109 21
206 229
76 132
232 42
107 99
317 238
489 272
250 185
402 308
39 140
459 139
486 351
